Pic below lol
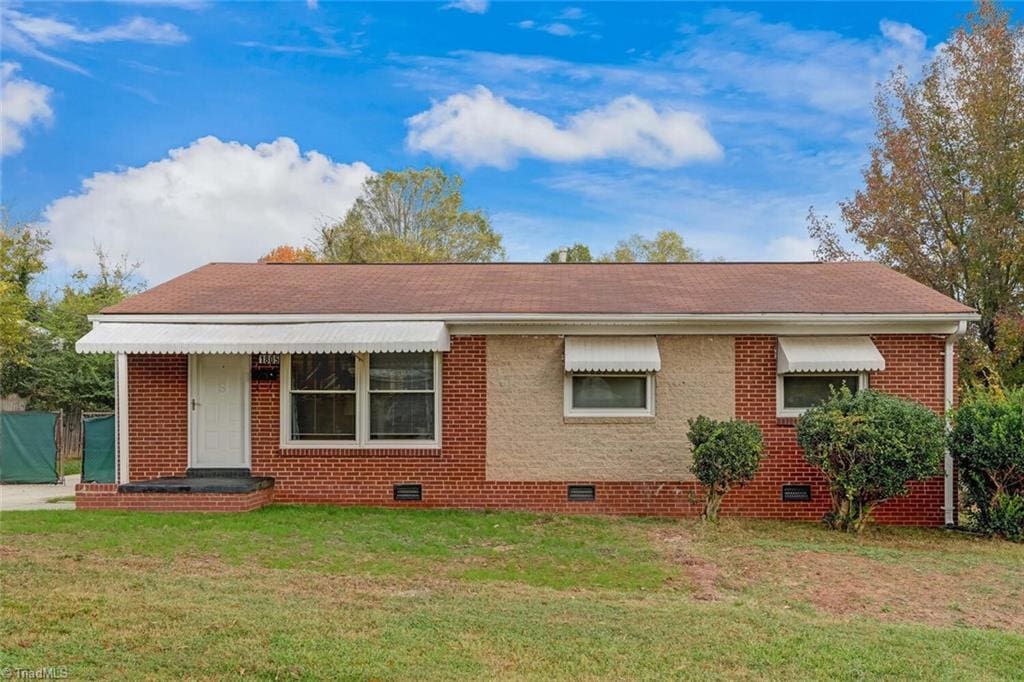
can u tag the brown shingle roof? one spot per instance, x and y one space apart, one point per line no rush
635 288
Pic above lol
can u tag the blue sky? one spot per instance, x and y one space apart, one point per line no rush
184 132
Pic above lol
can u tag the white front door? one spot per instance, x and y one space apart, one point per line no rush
219 411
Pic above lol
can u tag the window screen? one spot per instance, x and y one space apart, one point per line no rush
402 396
323 397
609 392
801 391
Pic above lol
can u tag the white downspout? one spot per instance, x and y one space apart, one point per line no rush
948 507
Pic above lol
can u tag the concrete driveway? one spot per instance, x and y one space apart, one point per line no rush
34 496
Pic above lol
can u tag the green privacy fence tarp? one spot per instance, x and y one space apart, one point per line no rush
98 449
28 447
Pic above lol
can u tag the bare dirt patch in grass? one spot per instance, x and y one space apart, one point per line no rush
850 584
905 582
699 574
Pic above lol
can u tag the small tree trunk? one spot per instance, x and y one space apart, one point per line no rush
849 515
839 518
861 517
713 503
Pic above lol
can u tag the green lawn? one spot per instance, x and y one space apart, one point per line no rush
291 592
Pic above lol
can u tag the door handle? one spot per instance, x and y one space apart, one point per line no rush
195 403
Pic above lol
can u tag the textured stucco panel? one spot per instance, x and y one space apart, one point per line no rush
529 439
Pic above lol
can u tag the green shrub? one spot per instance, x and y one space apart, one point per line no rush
725 453
1006 517
869 446
987 444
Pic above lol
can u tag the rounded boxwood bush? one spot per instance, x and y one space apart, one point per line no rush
987 444
725 453
869 445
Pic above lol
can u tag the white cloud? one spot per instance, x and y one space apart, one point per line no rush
559 29
471 6
479 129
823 70
735 64
23 103
48 31
904 34
320 50
312 4
327 42
28 34
211 200
560 26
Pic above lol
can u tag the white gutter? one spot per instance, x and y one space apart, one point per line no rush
948 507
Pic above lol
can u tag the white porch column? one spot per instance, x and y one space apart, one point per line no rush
948 507
121 409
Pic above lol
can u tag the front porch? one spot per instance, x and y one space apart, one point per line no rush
199 490
186 396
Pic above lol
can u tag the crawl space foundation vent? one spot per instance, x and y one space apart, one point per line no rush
581 493
409 492
796 493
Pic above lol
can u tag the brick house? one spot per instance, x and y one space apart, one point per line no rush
551 387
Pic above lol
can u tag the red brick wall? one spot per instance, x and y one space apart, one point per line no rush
367 476
914 370
453 475
157 415
105 496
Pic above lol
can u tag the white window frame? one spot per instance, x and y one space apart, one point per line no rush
362 391
782 411
571 411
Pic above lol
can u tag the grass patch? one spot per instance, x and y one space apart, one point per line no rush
72 466
62 498
354 593
537 550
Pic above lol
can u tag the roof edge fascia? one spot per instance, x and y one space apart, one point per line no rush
531 318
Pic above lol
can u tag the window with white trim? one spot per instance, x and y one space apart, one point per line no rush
401 396
323 397
797 392
360 400
609 395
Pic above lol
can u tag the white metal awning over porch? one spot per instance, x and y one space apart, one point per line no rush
828 354
312 337
612 354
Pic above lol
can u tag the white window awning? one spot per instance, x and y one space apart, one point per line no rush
612 354
312 337
828 354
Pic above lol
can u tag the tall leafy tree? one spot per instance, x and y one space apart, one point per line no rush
22 249
57 377
666 247
61 378
289 254
943 195
577 253
411 216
